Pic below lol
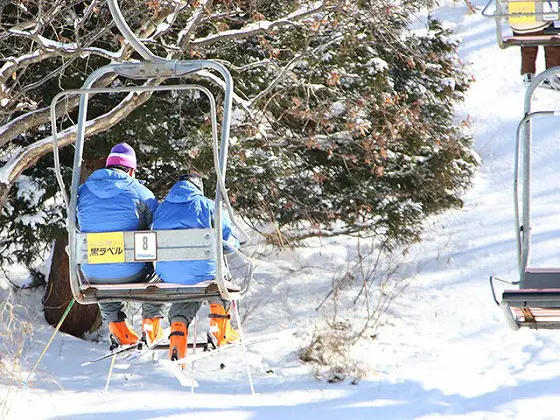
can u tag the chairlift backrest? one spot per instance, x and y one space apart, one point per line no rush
145 246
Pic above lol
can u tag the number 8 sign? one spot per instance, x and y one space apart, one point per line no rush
145 246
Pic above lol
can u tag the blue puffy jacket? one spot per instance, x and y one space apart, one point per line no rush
186 208
110 201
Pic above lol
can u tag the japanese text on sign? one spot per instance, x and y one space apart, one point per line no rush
105 247
527 7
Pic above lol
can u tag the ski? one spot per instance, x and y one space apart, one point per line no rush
119 350
130 360
184 377
210 351
141 347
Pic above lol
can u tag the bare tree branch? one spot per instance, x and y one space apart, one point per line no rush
29 120
69 48
185 34
29 155
15 63
32 119
259 27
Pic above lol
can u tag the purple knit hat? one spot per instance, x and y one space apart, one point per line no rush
122 155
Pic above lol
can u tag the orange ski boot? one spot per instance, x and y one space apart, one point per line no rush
220 326
152 330
122 333
178 341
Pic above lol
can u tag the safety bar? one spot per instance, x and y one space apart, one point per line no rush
493 279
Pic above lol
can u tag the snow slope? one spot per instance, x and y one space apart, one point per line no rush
445 352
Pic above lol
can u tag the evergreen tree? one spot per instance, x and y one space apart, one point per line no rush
343 117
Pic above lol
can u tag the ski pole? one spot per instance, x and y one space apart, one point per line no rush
242 340
110 372
192 363
66 312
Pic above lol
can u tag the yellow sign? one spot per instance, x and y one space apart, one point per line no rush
522 7
105 247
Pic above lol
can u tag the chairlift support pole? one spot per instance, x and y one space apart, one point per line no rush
523 165
129 35
53 335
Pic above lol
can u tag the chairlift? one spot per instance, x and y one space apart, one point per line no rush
172 245
164 245
509 11
161 245
536 302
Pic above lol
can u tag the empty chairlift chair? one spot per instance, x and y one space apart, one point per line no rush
536 302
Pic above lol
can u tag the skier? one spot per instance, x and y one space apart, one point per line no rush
186 207
112 200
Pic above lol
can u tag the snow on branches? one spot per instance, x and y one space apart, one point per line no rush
342 115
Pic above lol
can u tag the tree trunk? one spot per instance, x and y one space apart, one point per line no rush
82 318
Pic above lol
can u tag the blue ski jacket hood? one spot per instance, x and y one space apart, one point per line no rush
185 207
107 183
111 201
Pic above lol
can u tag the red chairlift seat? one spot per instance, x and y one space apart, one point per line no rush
537 304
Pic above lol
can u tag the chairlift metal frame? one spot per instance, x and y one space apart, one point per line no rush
536 303
500 16
152 67
156 292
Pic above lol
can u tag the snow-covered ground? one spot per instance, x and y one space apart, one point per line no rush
445 351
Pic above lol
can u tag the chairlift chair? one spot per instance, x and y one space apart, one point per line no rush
135 246
536 302
508 11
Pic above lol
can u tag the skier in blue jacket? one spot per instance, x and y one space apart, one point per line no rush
113 200
186 207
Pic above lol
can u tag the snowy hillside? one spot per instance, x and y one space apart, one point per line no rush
445 351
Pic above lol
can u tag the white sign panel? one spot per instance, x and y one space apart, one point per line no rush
145 246
550 10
